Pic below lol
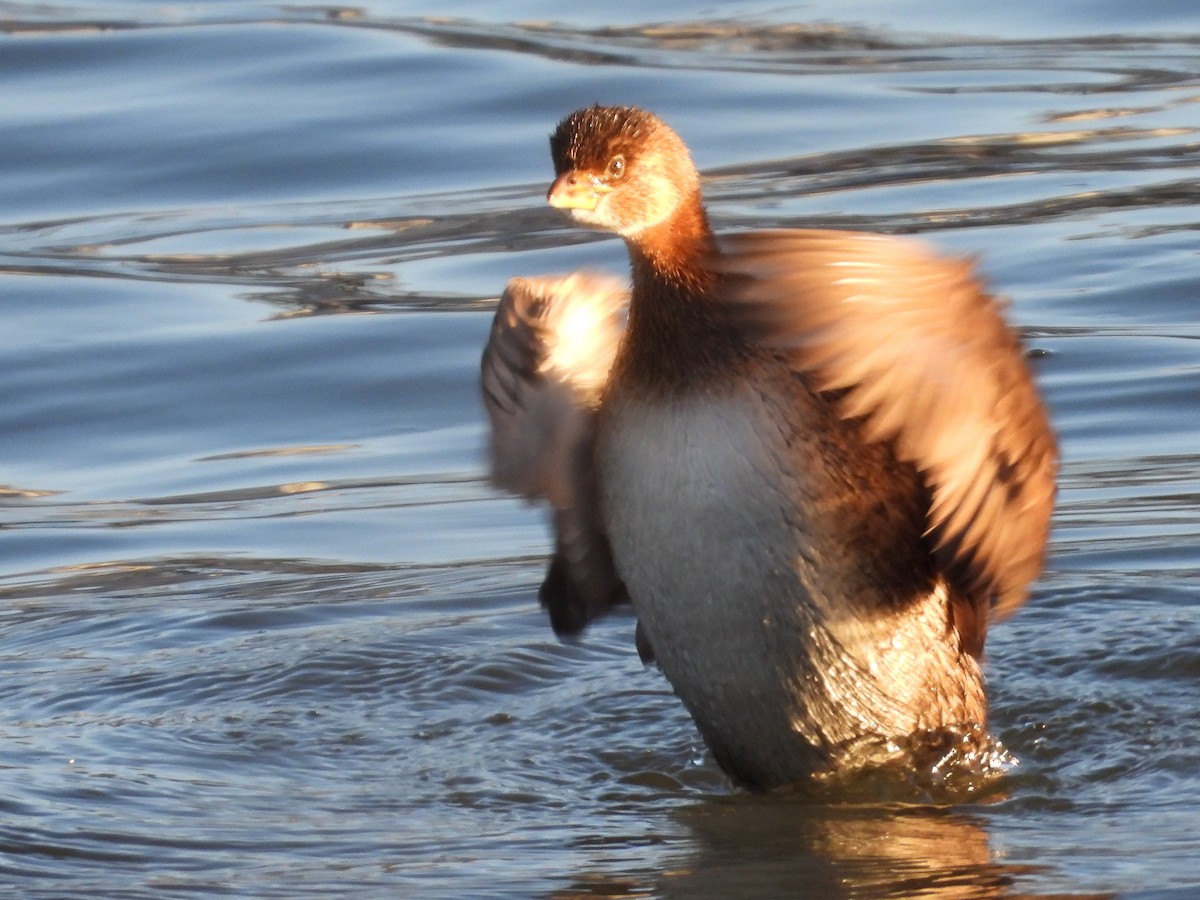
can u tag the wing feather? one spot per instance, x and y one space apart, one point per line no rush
547 358
922 354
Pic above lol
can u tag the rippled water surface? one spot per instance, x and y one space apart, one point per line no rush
264 628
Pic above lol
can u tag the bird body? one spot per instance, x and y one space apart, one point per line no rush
815 465
768 623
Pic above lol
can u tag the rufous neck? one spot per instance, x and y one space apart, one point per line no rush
674 252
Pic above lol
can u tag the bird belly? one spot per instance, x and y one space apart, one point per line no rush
704 535
725 539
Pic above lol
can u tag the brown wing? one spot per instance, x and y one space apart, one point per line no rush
546 361
923 355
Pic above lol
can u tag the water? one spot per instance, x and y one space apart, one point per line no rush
265 630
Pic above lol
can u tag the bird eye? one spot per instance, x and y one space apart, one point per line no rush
616 167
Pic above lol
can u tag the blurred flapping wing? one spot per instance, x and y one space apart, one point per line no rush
547 358
921 353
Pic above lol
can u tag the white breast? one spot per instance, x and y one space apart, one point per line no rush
725 525
701 510
696 500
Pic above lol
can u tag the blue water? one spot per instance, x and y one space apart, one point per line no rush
264 628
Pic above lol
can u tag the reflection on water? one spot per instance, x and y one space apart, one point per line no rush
266 630
765 849
835 852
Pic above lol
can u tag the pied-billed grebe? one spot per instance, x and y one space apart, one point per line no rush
816 461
